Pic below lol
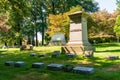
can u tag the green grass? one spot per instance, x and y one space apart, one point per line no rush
104 69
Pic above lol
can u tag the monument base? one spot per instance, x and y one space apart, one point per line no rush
85 49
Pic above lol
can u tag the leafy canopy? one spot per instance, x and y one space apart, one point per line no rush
117 25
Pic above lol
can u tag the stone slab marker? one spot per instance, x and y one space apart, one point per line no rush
55 66
9 63
83 70
78 38
37 65
19 64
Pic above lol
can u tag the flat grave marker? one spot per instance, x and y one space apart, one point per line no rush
33 54
71 55
68 68
37 65
83 70
55 66
56 54
9 63
113 57
42 55
88 53
19 64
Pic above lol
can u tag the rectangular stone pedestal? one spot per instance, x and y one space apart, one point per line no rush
78 37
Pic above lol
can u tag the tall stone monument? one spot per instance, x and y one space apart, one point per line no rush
78 39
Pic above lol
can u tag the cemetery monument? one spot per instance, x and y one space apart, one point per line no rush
78 39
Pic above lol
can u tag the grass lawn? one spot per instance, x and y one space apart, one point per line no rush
104 69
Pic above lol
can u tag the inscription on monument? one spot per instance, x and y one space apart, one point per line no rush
75 30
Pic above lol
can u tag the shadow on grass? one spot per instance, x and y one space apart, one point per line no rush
35 74
2 51
102 62
115 50
62 59
107 45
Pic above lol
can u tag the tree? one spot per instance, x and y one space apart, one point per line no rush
17 10
37 10
101 24
61 6
38 18
3 20
4 29
60 22
117 27
118 3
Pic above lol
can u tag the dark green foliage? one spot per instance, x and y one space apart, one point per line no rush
118 3
27 17
61 6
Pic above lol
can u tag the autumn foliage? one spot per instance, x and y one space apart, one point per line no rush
58 23
3 27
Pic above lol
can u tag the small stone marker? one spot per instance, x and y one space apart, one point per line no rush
56 54
68 68
83 70
9 63
55 67
41 55
113 57
71 55
37 65
19 64
88 53
33 54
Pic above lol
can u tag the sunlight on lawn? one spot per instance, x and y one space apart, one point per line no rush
99 62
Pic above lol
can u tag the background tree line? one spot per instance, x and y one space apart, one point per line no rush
25 18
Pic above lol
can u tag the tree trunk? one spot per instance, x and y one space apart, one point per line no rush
43 34
118 39
53 7
36 40
20 41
